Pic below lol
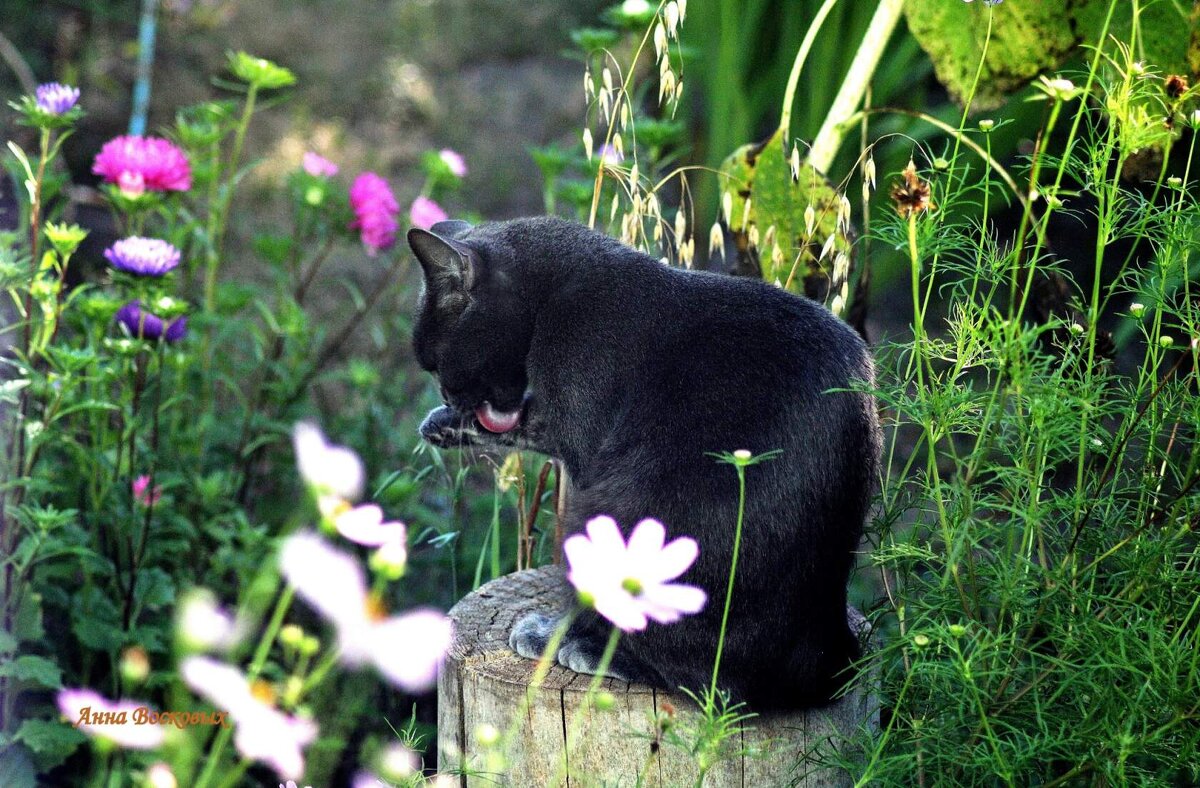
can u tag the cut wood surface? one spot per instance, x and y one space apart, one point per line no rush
484 684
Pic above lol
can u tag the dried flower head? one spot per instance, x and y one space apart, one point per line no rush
1175 86
911 195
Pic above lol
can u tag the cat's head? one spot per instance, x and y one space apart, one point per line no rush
474 325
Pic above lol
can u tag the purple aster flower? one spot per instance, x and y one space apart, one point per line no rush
143 256
145 324
56 99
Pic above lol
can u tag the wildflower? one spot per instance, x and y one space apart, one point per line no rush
627 582
1059 89
425 213
263 732
145 324
112 721
328 469
56 99
609 155
398 763
143 256
912 196
137 163
141 492
159 775
375 211
454 162
364 525
406 649
202 625
318 166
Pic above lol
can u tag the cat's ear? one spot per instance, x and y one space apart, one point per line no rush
449 265
451 228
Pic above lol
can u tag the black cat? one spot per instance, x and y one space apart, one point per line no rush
548 336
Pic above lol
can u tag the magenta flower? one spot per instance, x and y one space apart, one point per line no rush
147 325
98 716
406 649
375 211
627 583
136 164
264 733
425 213
454 161
56 99
318 166
142 492
143 256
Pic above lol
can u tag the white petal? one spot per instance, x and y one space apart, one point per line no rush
647 538
408 649
364 525
672 561
674 597
333 583
329 468
605 536
621 609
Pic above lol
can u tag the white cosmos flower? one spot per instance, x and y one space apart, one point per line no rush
203 625
98 716
328 469
264 733
627 583
406 649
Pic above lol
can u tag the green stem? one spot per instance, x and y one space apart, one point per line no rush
789 94
610 648
839 120
737 547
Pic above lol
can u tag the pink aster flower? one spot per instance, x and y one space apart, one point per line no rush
627 583
137 163
264 733
115 721
406 649
143 256
454 161
56 99
425 213
375 211
142 492
318 166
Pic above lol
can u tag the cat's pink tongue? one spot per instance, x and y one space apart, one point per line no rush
496 421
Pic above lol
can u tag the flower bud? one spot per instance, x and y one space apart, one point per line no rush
135 665
986 125
1137 310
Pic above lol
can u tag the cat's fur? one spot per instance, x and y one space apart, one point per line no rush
630 373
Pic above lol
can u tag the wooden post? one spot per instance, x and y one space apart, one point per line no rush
483 683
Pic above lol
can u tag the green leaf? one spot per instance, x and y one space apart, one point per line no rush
51 741
1028 38
772 234
35 670
155 589
27 625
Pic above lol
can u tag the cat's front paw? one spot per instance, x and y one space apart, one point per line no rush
531 635
582 655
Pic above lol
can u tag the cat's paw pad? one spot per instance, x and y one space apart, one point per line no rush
531 635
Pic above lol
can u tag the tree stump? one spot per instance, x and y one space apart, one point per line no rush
483 683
